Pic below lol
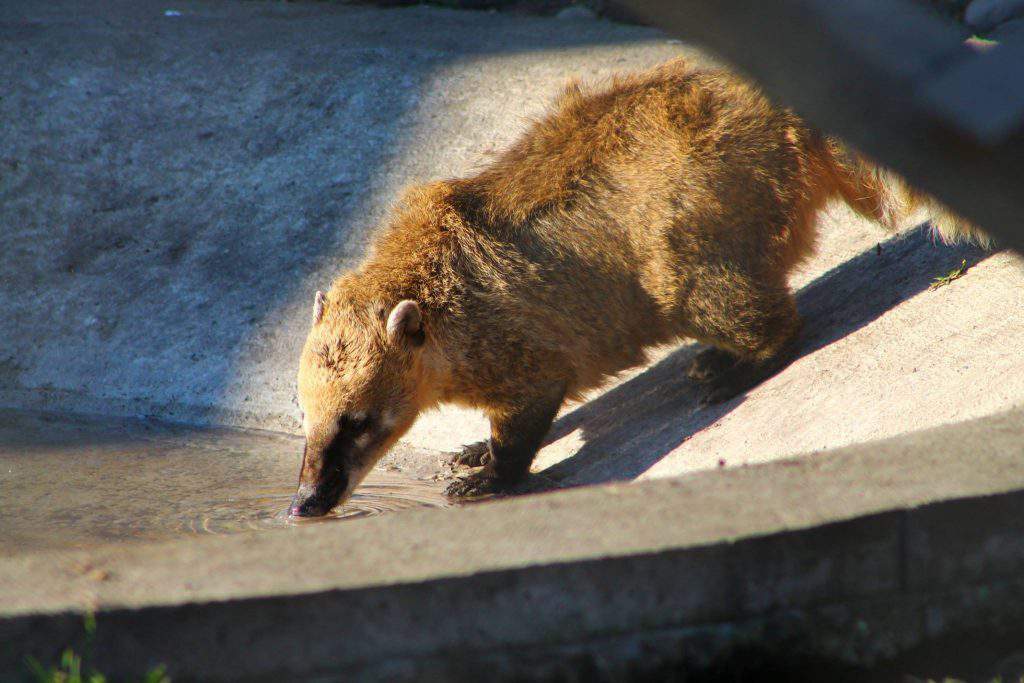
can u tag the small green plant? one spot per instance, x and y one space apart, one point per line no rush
68 671
950 276
70 668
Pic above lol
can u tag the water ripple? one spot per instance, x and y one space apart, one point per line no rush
266 508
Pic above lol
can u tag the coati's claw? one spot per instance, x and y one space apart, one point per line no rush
472 455
708 364
732 382
475 485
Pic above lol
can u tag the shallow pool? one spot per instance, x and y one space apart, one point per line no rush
71 482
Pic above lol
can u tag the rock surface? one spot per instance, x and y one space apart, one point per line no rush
985 15
855 556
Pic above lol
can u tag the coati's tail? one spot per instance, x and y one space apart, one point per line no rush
878 193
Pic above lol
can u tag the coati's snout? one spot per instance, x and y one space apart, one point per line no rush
330 470
360 377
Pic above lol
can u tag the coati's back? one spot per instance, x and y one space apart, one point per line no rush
620 195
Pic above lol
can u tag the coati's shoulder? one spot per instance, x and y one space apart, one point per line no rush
416 254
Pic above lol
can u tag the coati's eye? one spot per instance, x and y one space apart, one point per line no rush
354 423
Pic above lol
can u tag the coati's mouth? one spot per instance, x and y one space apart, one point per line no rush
317 501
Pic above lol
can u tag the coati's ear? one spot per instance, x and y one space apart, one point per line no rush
406 323
318 306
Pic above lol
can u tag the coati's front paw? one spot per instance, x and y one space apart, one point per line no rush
709 364
473 455
474 485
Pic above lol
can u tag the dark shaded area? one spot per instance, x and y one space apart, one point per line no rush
755 664
633 426
972 657
950 9
534 7
541 7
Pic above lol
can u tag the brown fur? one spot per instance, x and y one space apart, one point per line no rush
670 204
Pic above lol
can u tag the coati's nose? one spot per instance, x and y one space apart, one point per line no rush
307 507
306 503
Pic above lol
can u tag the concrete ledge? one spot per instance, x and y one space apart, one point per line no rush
856 555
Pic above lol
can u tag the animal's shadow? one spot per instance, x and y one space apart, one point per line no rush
629 428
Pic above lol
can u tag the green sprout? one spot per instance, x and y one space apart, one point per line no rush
954 274
71 666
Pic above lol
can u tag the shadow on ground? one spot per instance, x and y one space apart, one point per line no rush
633 426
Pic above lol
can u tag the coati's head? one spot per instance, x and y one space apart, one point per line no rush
360 389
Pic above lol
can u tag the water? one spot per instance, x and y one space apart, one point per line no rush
267 508
76 483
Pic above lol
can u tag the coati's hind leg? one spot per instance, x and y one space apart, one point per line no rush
753 329
516 435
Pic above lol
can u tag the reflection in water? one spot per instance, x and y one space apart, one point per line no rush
76 483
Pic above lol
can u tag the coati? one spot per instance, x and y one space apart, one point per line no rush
665 205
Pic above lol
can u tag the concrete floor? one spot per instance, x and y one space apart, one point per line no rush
176 187
882 355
